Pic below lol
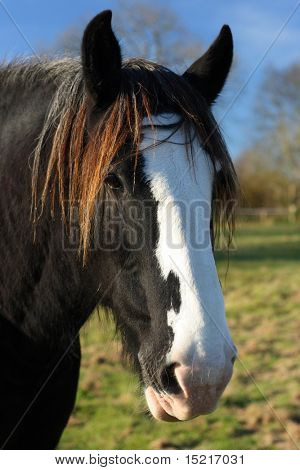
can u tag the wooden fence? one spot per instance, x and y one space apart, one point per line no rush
264 213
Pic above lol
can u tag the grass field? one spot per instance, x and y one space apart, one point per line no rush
260 409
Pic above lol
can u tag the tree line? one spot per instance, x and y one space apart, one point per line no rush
269 170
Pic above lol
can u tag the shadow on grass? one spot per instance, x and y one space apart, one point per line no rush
240 432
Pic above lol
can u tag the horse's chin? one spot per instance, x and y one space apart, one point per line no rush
169 409
157 410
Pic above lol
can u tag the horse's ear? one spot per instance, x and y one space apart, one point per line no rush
208 74
101 59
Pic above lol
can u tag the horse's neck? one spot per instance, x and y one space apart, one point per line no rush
45 291
42 289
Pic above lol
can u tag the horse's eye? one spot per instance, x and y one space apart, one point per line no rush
113 181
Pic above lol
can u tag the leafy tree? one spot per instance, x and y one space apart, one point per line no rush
261 185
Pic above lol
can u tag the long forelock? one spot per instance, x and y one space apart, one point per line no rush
84 158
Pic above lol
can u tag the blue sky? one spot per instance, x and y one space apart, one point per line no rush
254 23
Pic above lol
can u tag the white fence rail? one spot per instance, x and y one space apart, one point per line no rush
263 213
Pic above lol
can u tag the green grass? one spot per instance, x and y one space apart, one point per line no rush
260 407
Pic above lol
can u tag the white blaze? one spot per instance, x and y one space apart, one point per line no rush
184 205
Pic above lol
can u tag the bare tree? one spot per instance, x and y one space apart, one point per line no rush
68 42
278 119
156 33
269 171
144 30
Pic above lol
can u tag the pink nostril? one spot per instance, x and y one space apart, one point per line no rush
178 379
185 378
168 379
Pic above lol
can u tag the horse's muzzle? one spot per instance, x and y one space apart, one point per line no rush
192 398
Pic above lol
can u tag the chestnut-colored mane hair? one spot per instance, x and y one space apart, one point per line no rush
82 155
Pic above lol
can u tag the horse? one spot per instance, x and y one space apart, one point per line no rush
115 182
